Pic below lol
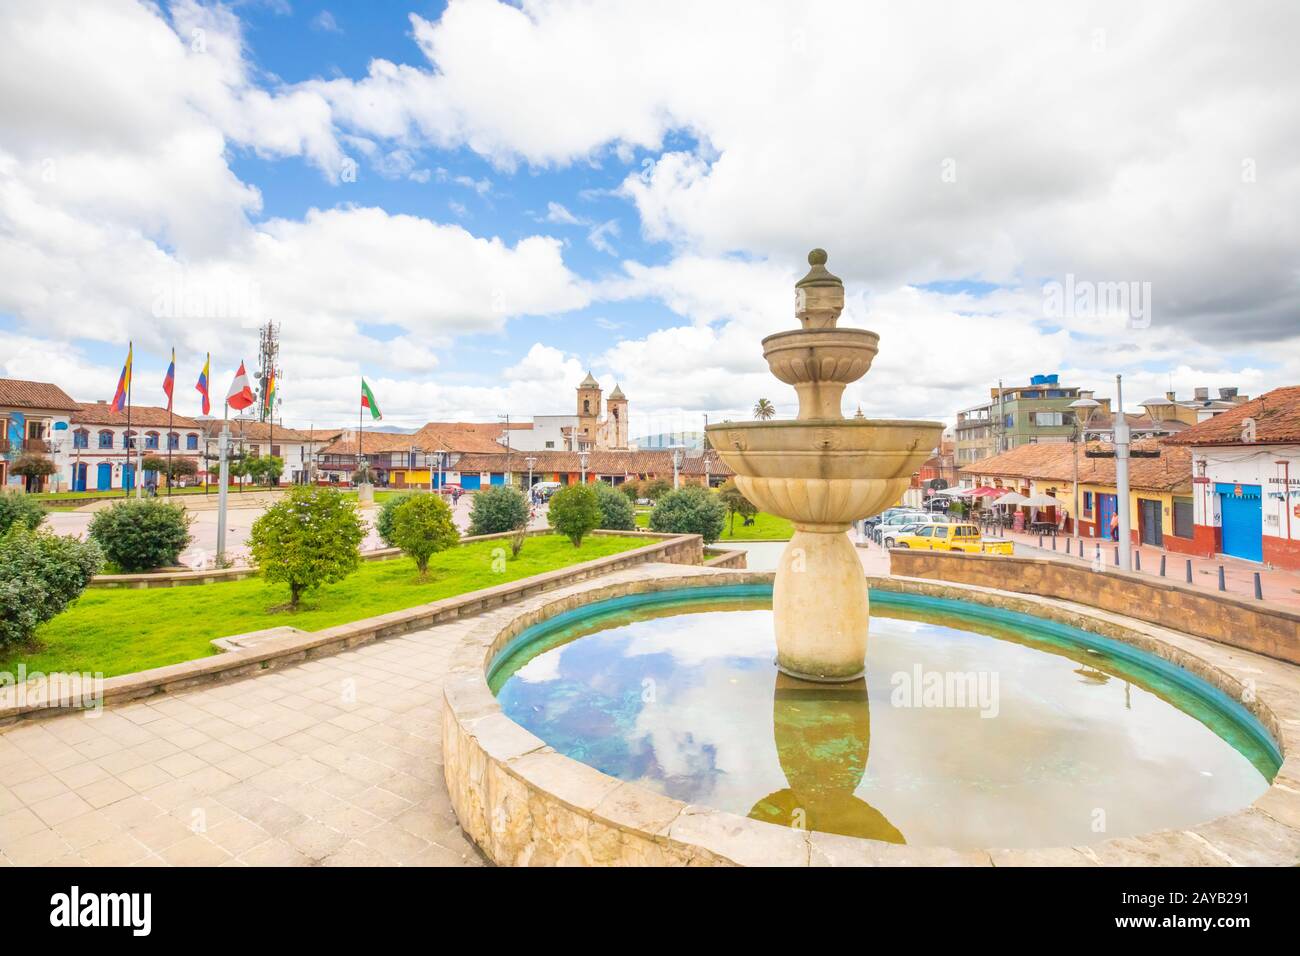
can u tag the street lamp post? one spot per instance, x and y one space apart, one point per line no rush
582 460
1080 436
1121 477
677 463
530 461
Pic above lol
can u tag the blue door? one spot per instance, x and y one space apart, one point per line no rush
104 476
128 477
1242 513
79 477
469 482
1107 505
497 478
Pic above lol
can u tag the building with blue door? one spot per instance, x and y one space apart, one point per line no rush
1241 516
33 421
1246 480
102 454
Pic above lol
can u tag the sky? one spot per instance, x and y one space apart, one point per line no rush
472 203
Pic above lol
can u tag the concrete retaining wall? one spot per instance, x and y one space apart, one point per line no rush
1253 625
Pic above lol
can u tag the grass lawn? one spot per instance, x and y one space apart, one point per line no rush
120 631
115 493
765 527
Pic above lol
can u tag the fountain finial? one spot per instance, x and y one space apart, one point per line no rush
819 296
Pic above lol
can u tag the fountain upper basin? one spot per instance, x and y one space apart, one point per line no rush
826 448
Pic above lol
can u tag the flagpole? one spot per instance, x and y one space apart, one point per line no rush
223 478
169 426
130 355
361 427
207 370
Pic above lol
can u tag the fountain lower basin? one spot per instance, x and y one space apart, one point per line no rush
674 691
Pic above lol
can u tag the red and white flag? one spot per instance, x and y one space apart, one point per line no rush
241 393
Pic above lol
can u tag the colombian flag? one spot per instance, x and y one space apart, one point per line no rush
202 387
169 383
123 382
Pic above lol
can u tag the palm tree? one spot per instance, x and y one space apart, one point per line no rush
764 410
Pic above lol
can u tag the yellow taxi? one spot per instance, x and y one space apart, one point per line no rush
958 536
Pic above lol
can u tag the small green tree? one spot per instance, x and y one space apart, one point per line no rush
655 488
141 534
19 509
384 520
266 469
498 509
40 575
309 539
575 511
33 467
616 512
631 488
422 526
735 503
690 510
764 410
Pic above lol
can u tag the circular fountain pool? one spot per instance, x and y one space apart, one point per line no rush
974 727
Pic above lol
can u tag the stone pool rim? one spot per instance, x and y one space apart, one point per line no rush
524 803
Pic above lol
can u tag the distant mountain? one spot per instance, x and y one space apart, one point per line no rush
690 440
392 429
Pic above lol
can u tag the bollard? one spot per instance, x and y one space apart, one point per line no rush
1189 570
1040 540
1222 584
1053 542
1137 560
1259 588
1162 564
1117 557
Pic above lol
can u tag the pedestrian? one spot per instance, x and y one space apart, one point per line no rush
1114 527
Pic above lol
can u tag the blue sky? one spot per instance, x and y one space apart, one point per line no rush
472 203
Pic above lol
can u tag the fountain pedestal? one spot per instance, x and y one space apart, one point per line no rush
822 472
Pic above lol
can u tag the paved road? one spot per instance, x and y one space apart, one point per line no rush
204 529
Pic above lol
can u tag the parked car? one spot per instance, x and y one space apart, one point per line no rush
891 534
952 537
895 520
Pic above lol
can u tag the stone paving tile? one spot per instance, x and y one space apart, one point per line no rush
334 762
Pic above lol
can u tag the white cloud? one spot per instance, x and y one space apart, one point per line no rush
916 143
326 22
599 234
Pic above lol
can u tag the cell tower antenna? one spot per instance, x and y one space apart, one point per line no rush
268 363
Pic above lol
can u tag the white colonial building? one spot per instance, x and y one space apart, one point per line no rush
34 420
1246 480
104 454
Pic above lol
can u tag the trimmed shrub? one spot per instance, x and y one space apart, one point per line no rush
574 512
141 534
690 510
616 513
19 510
422 527
40 575
384 520
497 509
311 538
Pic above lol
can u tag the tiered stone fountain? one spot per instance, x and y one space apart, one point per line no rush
822 472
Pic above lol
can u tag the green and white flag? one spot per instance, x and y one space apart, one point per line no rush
368 401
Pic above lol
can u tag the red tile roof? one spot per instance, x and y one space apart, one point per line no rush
40 396
659 463
262 431
142 416
1054 461
1276 415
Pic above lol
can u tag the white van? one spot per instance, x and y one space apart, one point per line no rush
545 489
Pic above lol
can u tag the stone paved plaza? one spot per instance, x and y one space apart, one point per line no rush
333 762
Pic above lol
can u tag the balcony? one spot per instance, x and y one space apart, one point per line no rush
39 445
